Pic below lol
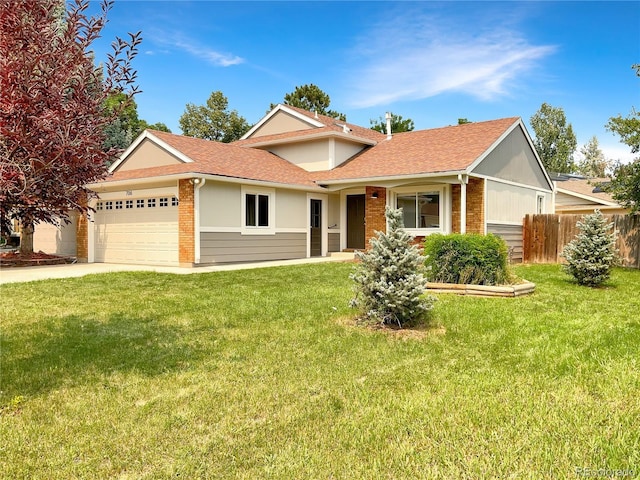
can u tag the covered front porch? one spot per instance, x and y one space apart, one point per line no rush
439 205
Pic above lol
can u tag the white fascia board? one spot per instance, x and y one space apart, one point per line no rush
510 182
144 136
586 197
98 186
278 108
445 176
517 123
314 136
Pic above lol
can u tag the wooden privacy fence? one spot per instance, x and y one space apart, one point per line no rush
544 237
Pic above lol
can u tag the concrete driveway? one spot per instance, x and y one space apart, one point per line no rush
47 272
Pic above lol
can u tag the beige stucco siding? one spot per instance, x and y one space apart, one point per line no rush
333 217
513 160
220 205
344 151
281 122
56 239
311 156
510 203
147 155
291 209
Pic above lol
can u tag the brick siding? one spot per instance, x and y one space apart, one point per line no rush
475 206
374 212
186 223
82 239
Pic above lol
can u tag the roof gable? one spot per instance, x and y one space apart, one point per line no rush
449 150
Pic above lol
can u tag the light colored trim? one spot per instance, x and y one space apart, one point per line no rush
485 207
199 183
281 108
91 234
464 179
445 213
543 196
97 186
509 182
239 230
501 222
251 190
324 206
148 135
331 134
376 180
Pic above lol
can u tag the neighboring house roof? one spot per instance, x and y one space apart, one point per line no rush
214 158
438 150
586 190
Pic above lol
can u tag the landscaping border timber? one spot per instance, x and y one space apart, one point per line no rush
482 290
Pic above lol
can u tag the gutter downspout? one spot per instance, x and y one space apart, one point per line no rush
199 183
463 179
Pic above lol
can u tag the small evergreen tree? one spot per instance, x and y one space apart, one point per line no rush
389 286
592 253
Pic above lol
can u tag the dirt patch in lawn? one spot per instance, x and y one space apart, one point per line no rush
412 332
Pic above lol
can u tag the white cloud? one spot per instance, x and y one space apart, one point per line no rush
194 48
414 57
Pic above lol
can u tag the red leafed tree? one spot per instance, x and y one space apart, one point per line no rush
52 115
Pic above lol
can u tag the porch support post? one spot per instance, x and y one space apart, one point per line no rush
464 179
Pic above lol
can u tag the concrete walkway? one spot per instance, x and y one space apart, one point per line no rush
30 274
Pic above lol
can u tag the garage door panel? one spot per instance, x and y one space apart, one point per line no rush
142 236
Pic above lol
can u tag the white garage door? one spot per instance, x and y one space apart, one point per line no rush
137 230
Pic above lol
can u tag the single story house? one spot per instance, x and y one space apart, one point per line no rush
299 184
583 195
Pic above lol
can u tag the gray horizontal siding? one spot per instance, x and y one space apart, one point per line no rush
334 242
512 235
234 247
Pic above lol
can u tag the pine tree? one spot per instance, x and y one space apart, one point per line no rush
389 286
591 255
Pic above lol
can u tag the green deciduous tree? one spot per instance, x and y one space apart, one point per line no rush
398 124
126 126
625 182
554 139
389 283
593 163
312 98
213 121
52 115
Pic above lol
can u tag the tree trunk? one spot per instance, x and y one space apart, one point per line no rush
26 238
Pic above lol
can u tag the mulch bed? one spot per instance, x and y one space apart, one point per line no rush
16 259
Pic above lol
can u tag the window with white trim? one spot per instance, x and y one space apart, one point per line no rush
425 209
140 203
128 203
108 205
540 197
151 202
164 201
118 204
258 207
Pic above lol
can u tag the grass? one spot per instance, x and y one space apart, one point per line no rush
261 374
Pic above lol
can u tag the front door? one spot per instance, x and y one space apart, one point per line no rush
316 228
355 221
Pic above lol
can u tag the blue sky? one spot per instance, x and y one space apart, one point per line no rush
429 61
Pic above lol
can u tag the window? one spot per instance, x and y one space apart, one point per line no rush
99 206
108 205
420 210
118 204
164 201
151 202
256 210
140 203
174 201
540 203
129 204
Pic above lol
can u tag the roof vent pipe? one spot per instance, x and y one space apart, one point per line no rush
388 117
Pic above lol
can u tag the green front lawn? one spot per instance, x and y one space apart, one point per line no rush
260 374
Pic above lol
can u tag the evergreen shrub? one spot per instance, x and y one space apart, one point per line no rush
389 283
467 259
592 253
